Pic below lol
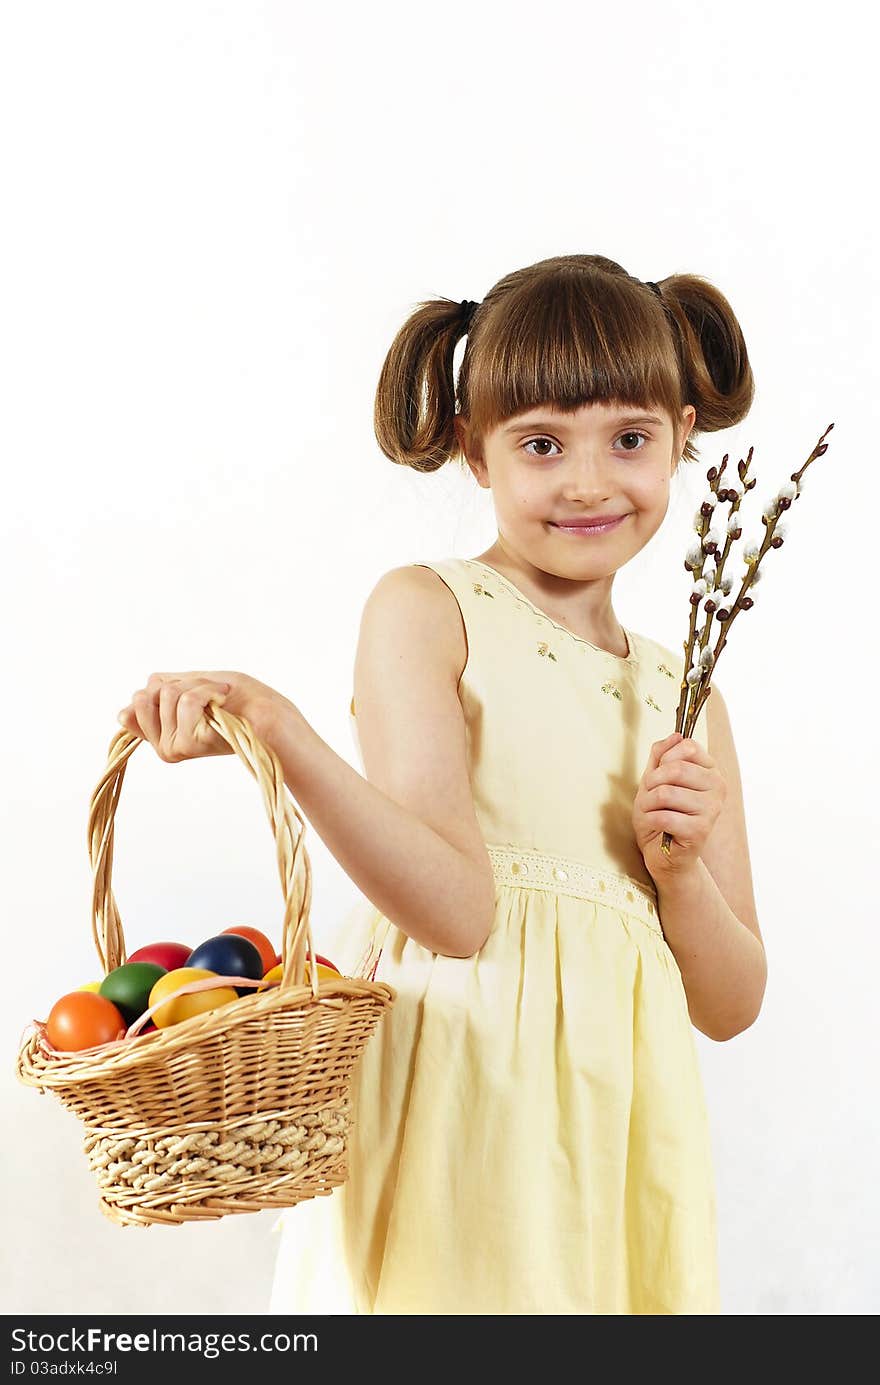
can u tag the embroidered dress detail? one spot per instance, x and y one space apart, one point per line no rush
533 870
507 588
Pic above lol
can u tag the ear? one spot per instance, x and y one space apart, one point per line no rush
688 419
476 465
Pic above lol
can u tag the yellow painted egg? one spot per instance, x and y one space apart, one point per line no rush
185 1006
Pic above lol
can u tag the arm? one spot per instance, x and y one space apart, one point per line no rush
722 962
708 912
407 835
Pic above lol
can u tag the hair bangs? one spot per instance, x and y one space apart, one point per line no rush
556 343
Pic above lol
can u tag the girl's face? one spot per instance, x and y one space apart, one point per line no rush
546 468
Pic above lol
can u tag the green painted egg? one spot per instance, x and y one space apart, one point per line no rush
129 987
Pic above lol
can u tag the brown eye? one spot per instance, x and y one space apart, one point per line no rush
539 440
632 434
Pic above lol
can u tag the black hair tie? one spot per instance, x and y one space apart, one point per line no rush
468 308
655 287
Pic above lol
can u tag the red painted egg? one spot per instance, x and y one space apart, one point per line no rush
167 955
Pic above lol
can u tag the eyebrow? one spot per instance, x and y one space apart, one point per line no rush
525 425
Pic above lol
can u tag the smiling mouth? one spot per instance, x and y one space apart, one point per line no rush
591 526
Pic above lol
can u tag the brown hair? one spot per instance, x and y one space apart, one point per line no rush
565 332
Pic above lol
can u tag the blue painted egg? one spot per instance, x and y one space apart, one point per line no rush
228 954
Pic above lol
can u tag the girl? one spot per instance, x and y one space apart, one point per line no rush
530 1129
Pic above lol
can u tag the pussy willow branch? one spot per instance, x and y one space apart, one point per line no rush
694 694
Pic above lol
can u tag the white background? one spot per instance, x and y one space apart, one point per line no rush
216 216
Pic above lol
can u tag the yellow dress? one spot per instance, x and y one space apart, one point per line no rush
531 1134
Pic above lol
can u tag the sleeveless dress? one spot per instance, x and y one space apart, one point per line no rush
530 1129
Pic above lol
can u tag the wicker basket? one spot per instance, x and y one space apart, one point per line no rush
244 1108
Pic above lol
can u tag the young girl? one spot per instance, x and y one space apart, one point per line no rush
530 1133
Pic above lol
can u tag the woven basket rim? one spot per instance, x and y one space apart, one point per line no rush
45 1067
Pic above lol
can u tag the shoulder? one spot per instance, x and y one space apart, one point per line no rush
413 592
413 583
417 603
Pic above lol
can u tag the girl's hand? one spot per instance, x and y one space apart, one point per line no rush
681 792
169 711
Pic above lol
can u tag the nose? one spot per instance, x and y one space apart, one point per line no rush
588 477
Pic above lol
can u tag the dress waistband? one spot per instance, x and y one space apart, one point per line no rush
535 870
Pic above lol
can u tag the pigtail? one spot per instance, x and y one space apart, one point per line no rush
414 407
715 368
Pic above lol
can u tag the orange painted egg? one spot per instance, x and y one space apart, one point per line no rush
83 1019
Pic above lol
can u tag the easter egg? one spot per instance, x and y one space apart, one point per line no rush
266 949
129 987
90 986
169 956
227 954
185 1006
325 961
325 973
83 1019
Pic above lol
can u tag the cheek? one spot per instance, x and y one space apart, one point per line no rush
649 492
523 500
535 496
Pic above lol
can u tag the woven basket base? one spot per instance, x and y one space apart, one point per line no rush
208 1170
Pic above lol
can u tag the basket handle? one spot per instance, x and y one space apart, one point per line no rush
294 865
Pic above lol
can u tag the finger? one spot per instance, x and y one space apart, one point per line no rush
146 713
169 696
191 708
659 748
686 772
192 676
686 749
675 798
156 680
169 688
680 826
146 710
143 716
